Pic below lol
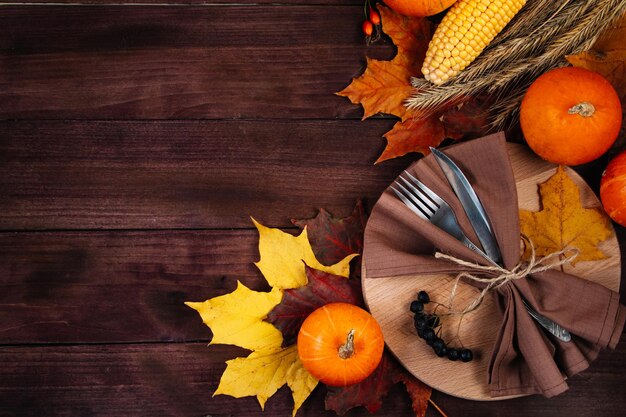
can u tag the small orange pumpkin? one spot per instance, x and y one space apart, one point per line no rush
419 7
570 115
340 344
613 189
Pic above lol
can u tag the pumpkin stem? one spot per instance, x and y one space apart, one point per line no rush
585 109
347 349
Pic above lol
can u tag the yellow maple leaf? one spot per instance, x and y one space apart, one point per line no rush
262 373
385 85
563 223
237 318
282 257
607 56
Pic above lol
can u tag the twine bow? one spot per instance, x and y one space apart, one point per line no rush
521 270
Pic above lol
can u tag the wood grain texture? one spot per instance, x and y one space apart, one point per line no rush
208 114
179 379
157 62
388 298
118 286
130 175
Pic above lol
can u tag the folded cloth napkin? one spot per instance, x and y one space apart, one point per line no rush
525 359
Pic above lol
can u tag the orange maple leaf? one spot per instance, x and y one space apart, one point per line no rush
384 85
413 135
607 56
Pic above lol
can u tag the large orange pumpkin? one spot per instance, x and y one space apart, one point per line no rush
340 344
570 115
419 7
613 189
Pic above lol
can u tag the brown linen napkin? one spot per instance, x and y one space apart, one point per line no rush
525 359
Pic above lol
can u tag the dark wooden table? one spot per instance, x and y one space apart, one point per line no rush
135 142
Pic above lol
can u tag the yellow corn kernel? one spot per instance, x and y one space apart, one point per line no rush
469 26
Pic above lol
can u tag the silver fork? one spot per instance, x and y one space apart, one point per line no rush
429 206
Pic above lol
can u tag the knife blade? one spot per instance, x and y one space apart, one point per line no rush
479 221
471 204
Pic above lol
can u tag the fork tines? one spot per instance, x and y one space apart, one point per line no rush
419 198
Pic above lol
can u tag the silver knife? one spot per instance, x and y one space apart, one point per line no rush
479 221
471 204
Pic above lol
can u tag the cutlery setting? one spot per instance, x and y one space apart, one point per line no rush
429 206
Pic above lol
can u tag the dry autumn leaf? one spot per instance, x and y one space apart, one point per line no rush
255 320
420 394
262 373
297 304
384 85
607 56
282 255
335 238
332 239
413 135
563 223
238 318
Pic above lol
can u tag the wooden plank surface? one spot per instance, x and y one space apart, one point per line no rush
135 142
179 62
179 379
121 286
116 175
117 286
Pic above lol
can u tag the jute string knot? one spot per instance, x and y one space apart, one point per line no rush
476 272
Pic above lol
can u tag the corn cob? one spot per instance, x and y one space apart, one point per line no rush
466 29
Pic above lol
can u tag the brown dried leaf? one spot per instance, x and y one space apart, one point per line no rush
607 56
413 135
419 392
332 238
384 85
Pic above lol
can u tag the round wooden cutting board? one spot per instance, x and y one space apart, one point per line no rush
388 298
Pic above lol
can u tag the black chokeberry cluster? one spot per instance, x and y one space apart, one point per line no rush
427 326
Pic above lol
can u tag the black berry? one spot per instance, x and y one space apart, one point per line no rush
441 352
429 334
432 320
423 297
466 355
453 354
417 307
420 322
438 343
420 332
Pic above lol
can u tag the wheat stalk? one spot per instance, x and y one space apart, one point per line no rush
534 11
523 47
536 42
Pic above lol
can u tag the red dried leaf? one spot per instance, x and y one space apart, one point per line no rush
413 135
419 393
466 119
331 238
298 303
368 393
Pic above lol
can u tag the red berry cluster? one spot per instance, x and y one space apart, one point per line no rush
371 25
